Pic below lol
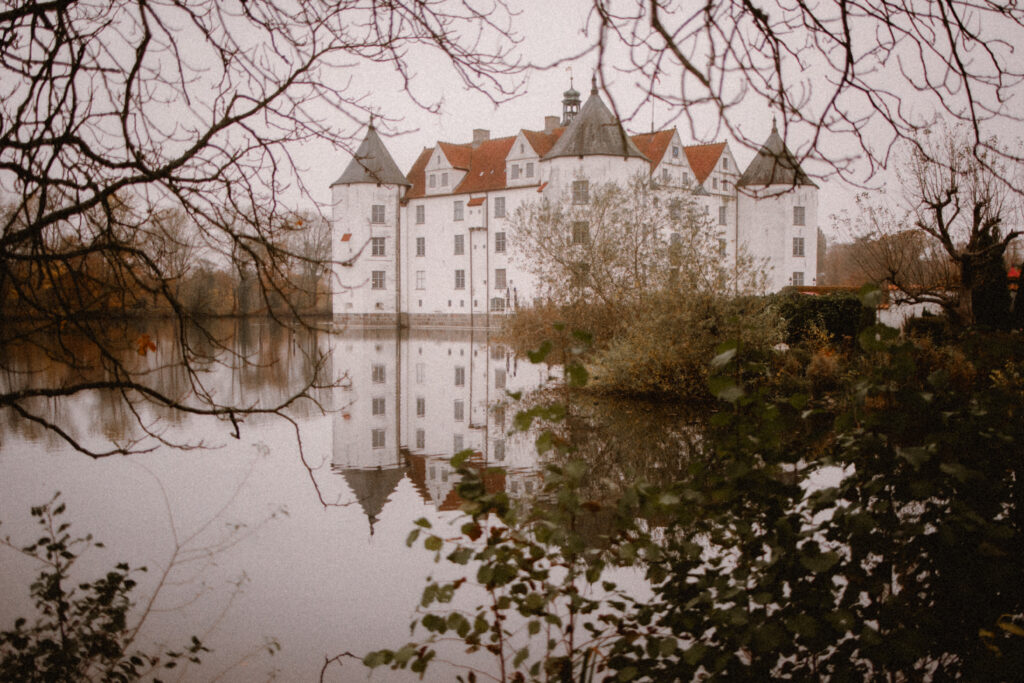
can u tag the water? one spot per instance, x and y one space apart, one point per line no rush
301 551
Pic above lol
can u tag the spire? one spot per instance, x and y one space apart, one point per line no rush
594 131
593 84
774 165
372 163
570 104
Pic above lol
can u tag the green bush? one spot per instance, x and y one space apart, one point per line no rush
840 314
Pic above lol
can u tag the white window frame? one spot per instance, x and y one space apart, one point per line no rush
421 279
500 243
378 438
500 278
378 406
580 192
377 278
421 214
377 214
460 279
799 215
458 210
378 246
499 207
798 246
378 373
460 245
421 246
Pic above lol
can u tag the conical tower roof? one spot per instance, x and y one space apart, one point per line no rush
774 165
372 164
373 488
595 131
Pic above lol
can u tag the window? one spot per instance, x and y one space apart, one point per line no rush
460 376
529 169
664 175
377 437
499 207
722 246
499 449
798 215
499 243
499 379
675 209
377 213
377 279
421 279
675 152
580 232
376 246
798 279
714 183
421 246
457 442
721 215
499 278
421 439
515 171
686 178
377 407
378 372
798 246
421 373
421 406
421 214
460 410
432 180
497 304
444 180
460 279
499 417
725 163
460 245
580 192
458 211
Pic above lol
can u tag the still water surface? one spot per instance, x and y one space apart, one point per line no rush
303 552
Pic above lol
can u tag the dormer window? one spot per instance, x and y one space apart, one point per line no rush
725 164
520 148
515 171
675 152
432 180
529 169
444 180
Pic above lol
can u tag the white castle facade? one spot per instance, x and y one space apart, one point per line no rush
433 245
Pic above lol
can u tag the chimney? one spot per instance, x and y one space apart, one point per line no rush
480 135
550 123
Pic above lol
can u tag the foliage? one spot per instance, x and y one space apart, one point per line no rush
644 267
872 533
82 632
839 314
947 244
664 350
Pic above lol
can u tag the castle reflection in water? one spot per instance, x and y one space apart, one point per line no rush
413 399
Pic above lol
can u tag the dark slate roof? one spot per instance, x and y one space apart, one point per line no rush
594 131
372 164
774 165
373 488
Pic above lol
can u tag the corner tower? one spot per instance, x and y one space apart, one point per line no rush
778 215
595 147
366 234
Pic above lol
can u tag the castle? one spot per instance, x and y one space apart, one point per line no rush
432 246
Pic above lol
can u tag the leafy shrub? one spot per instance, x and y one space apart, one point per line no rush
81 632
838 313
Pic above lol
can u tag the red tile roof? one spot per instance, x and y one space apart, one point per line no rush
476 201
703 158
543 142
653 145
458 155
417 176
486 170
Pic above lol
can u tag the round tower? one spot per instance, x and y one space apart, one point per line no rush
366 228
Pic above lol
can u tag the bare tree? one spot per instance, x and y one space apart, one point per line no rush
852 78
947 244
115 112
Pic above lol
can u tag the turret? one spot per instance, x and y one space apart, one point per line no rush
778 214
367 233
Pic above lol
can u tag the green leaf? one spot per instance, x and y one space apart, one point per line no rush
460 458
460 556
725 388
538 355
433 543
871 296
723 358
576 375
819 562
520 657
411 538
